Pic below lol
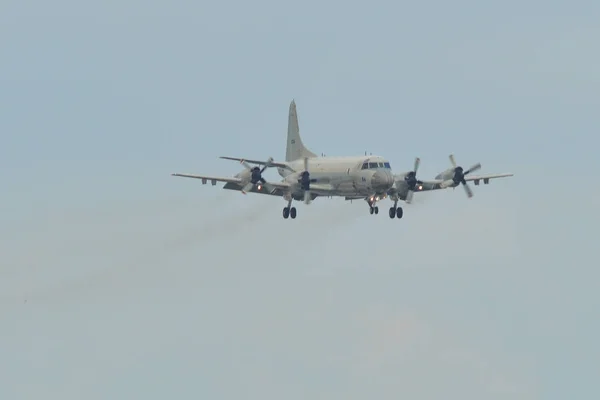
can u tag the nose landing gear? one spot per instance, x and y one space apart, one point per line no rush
373 209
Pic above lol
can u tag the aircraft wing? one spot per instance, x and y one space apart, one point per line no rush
213 179
486 178
278 188
234 183
271 164
436 184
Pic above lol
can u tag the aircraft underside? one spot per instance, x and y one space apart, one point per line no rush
290 211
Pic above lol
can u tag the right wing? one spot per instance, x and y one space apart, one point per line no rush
278 188
212 179
234 183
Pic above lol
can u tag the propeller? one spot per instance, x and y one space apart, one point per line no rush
256 176
459 175
304 180
412 181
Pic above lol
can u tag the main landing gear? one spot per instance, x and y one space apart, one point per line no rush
289 211
396 211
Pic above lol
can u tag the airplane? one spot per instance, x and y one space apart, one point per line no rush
307 176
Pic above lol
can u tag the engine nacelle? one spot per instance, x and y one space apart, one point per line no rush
445 175
400 185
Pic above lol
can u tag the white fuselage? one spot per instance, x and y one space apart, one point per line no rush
348 176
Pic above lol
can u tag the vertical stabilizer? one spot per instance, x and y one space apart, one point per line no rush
295 148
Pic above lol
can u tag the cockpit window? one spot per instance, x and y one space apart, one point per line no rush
380 165
365 166
373 165
387 165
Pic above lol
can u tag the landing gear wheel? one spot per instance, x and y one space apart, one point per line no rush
371 210
399 212
392 212
376 210
286 212
293 212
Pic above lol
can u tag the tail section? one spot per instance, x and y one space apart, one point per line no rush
295 148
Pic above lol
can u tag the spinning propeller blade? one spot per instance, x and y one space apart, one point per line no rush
412 181
256 176
459 175
307 190
304 180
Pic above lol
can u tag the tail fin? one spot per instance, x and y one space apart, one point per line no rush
295 148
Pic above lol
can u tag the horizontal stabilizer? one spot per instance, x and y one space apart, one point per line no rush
258 162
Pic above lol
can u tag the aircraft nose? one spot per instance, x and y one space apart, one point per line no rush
381 180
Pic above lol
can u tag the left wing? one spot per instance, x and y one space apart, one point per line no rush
436 184
485 178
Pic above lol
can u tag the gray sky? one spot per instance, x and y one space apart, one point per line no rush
119 281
